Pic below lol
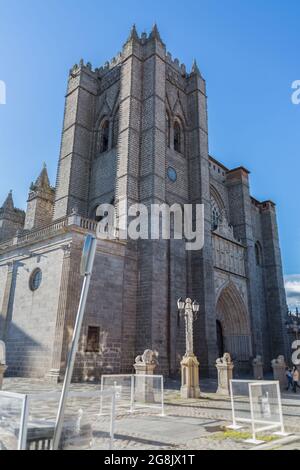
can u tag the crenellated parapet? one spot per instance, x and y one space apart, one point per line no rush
141 40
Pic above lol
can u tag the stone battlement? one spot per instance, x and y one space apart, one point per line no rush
143 40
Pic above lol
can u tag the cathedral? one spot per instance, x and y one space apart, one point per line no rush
136 130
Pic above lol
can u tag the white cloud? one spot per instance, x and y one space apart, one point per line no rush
292 287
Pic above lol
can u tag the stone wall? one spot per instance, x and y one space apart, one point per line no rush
29 320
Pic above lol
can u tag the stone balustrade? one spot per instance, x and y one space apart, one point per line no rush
48 231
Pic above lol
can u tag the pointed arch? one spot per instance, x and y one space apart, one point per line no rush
232 315
178 110
218 198
217 207
104 135
178 135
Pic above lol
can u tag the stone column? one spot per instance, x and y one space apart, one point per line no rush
279 369
145 365
224 367
258 368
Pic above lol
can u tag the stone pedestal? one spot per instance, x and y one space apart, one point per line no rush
54 376
279 371
3 368
258 368
224 367
190 377
145 365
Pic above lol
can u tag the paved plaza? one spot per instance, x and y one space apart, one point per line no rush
194 424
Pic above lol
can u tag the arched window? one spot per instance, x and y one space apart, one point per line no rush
104 136
168 129
215 219
177 137
115 129
35 279
258 254
215 213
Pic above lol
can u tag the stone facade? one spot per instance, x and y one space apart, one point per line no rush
127 127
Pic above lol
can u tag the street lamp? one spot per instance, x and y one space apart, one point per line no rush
189 310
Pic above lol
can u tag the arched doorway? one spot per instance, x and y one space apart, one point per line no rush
233 326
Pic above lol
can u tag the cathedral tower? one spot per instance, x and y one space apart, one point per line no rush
11 219
40 202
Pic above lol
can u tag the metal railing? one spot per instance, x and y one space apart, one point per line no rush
135 391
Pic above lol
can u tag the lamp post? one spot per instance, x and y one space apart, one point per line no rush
86 268
189 309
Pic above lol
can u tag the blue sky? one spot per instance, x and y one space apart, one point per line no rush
246 50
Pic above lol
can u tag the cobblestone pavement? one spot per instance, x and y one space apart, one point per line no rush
188 424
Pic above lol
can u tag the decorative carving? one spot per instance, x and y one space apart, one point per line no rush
225 359
224 366
257 365
148 357
228 255
279 368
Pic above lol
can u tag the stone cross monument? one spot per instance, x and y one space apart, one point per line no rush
189 364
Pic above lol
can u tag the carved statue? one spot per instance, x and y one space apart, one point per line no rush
226 359
257 360
279 361
148 357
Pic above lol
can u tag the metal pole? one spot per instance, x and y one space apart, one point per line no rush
162 396
280 407
101 399
112 420
22 444
252 413
132 389
232 404
90 257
